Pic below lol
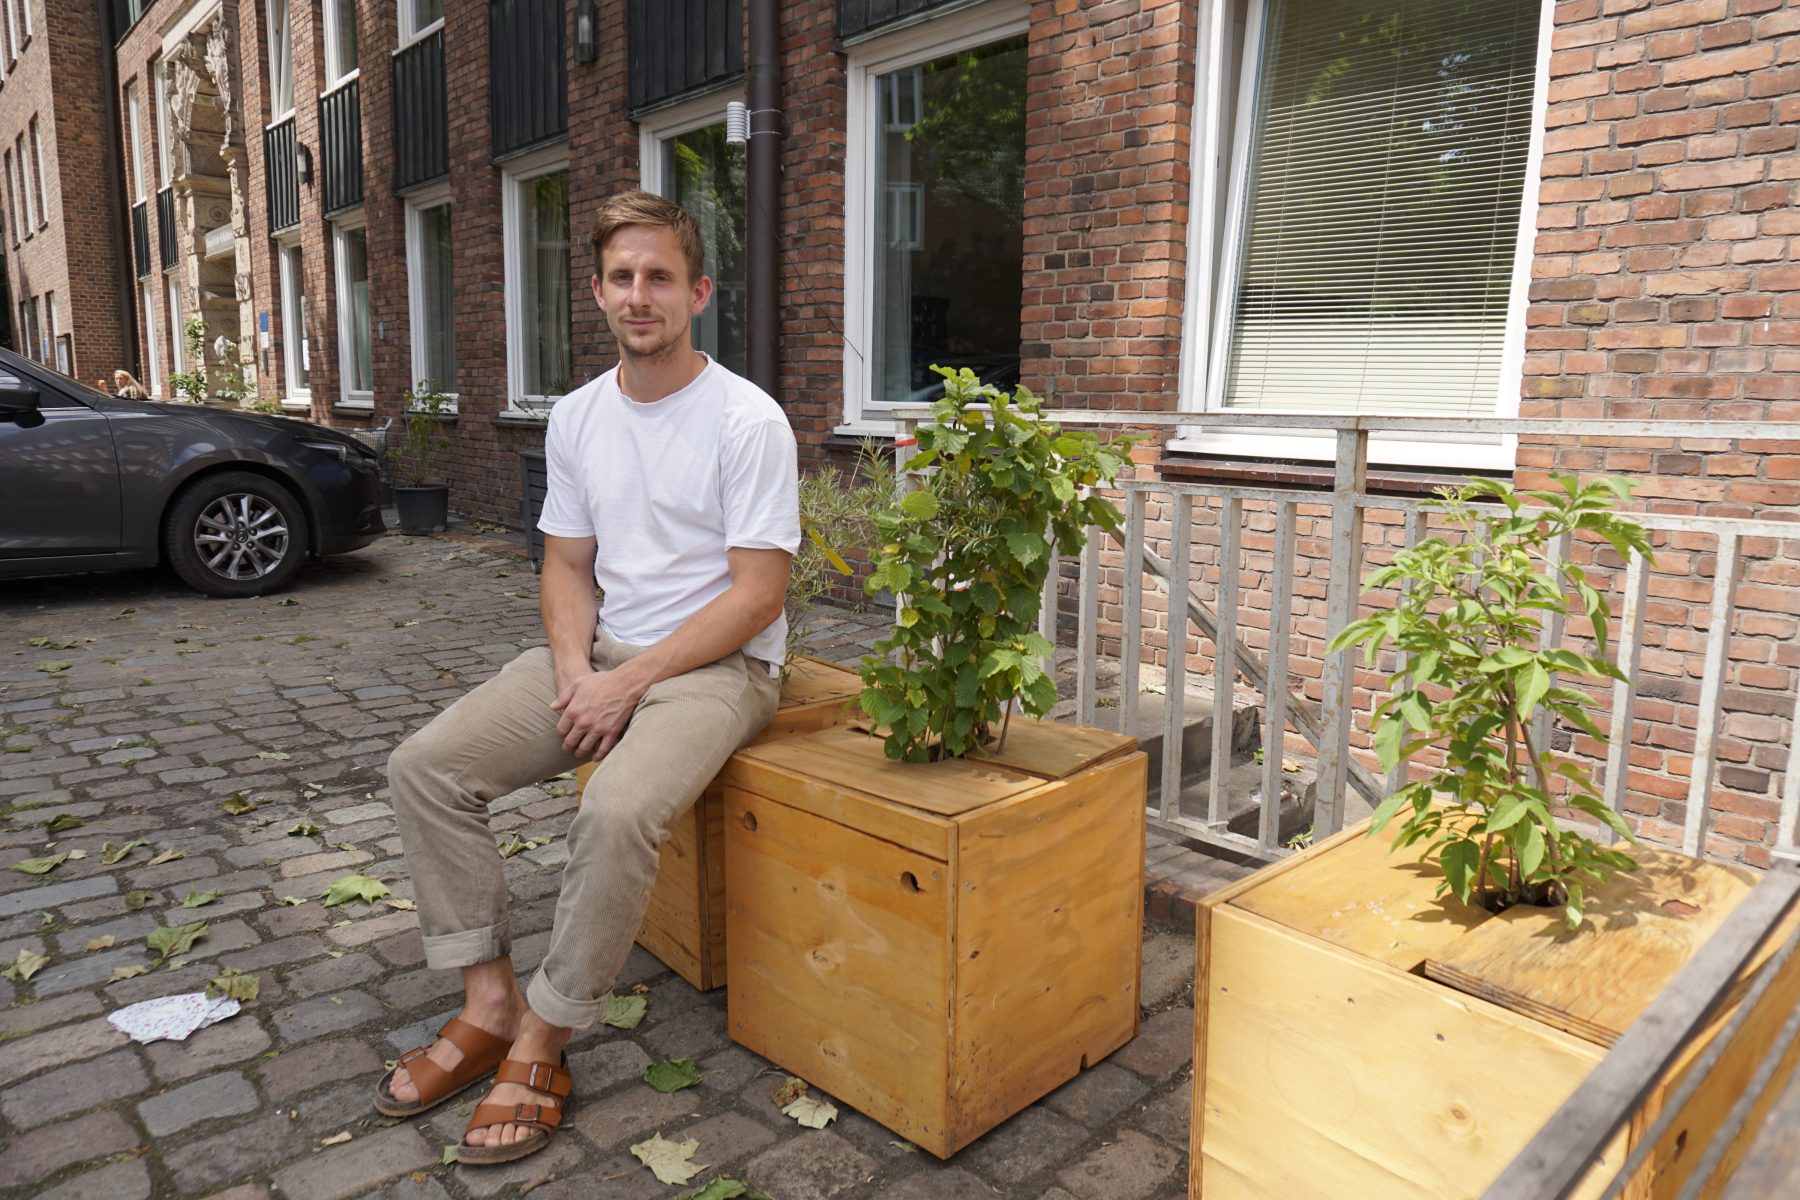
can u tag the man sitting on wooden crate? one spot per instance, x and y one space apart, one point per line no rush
672 484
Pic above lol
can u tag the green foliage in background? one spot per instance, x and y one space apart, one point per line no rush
422 436
968 554
1471 676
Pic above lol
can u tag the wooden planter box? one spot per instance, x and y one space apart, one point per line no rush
1354 1036
685 923
936 945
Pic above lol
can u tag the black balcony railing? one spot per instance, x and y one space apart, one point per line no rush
283 176
140 237
340 146
860 16
529 82
421 134
679 48
166 240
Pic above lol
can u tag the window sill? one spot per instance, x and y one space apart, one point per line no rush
1189 467
865 428
299 404
520 419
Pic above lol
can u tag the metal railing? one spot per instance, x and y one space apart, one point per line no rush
168 241
421 123
1327 720
140 238
281 171
340 147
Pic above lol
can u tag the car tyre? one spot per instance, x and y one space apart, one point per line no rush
235 534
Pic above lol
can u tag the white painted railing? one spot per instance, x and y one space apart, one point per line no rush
1327 724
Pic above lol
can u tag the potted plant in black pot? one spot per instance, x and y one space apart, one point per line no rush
423 506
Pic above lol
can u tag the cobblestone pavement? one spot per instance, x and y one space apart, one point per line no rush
171 705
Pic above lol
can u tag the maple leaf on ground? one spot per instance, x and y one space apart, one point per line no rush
670 1162
168 941
354 887
672 1075
812 1112
624 1012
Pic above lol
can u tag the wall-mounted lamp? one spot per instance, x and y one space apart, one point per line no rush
737 123
586 46
302 163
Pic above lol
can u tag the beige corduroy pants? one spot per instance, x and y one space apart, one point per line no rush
501 737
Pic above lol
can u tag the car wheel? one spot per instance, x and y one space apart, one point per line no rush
235 534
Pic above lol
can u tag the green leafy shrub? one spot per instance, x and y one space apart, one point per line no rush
1471 676
191 385
835 513
968 553
421 437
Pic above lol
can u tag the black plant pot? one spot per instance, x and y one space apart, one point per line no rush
424 508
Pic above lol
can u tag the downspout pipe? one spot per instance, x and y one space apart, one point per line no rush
762 235
115 188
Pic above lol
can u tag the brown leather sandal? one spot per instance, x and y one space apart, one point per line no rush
543 1118
482 1052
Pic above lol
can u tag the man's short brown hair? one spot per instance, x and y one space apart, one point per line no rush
647 208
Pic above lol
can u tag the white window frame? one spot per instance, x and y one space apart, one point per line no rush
165 159
1205 329
291 257
959 30
335 76
177 322
134 117
281 38
520 171
152 351
12 31
409 35
37 173
417 203
25 186
348 223
12 198
670 123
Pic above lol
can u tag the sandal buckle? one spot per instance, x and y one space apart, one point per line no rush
532 1080
519 1112
415 1052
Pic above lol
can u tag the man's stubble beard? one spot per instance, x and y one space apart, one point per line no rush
661 353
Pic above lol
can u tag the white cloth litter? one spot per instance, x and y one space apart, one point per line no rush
172 1018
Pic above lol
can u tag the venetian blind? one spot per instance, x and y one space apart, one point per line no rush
1382 191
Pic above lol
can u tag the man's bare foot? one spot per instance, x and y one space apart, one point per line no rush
496 1011
537 1042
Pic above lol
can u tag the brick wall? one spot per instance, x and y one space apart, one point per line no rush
65 50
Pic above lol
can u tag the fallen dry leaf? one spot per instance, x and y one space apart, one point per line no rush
812 1112
336 1139
670 1162
102 943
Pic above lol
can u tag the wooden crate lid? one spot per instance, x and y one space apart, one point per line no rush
1642 928
811 680
1351 892
850 759
1054 750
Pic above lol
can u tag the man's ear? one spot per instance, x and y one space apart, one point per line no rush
703 291
599 293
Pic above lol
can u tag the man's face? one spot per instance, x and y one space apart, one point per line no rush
645 292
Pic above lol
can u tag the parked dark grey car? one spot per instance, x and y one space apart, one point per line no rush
234 501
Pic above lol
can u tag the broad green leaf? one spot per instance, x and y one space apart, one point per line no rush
1387 740
625 1012
1532 685
54 668
137 900
1459 859
671 1162
354 887
1385 811
920 505
1507 814
303 829
672 1075
62 822
237 805
51 643
1026 548
1531 849
40 866
167 941
200 899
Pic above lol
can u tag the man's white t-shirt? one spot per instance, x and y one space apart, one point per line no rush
665 488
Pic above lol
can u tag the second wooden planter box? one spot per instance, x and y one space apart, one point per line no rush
684 926
938 945
1356 1037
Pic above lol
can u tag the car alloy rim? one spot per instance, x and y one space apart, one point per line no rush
241 536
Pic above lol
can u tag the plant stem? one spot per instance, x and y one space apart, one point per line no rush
1005 721
1543 782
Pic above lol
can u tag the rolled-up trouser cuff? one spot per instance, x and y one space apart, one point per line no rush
558 1009
467 948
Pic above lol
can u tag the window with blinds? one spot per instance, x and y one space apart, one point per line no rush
1379 193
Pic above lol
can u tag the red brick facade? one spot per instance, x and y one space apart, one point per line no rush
55 78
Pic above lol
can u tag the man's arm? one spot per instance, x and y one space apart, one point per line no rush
596 706
567 604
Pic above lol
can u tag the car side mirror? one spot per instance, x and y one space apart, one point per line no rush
17 399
